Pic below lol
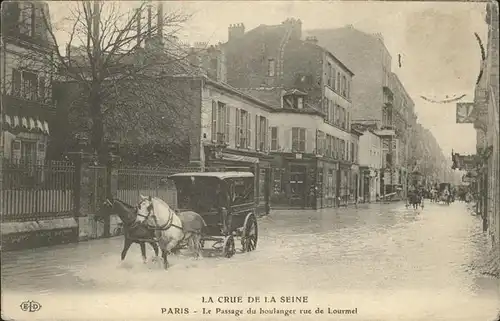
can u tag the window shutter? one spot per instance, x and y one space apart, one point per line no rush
257 133
249 130
214 121
302 139
237 127
268 136
295 136
228 124
41 89
317 142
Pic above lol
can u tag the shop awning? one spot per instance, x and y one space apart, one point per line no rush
239 158
28 123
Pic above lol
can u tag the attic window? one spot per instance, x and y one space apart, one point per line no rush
300 102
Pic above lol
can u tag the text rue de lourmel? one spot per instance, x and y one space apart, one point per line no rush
280 309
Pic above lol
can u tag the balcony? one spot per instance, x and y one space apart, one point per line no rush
386 131
221 138
15 105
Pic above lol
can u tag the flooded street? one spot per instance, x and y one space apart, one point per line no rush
389 262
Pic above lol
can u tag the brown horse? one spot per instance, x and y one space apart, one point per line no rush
134 231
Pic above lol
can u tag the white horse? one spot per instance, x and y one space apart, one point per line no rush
171 229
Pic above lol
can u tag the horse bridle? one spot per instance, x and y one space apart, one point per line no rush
163 227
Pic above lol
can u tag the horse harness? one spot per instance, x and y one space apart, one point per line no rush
163 227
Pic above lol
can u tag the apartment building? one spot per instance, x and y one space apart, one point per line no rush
311 129
26 83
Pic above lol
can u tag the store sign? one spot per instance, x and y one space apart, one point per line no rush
464 162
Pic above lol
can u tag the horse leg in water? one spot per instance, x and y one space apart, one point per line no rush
164 254
126 246
143 251
155 248
193 247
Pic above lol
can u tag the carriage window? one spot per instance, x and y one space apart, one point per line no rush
196 196
243 190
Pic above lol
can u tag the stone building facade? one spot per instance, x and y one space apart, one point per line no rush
26 83
313 89
486 112
378 97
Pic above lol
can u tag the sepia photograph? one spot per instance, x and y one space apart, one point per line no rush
254 160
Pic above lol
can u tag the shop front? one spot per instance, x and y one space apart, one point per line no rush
294 181
327 183
343 183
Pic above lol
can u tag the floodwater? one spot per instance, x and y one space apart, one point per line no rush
386 261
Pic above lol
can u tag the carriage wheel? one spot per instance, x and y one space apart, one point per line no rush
228 249
250 234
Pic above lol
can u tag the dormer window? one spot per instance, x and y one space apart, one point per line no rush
294 99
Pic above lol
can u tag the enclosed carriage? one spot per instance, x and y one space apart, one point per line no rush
445 195
226 202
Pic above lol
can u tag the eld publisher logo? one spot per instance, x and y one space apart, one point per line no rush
30 306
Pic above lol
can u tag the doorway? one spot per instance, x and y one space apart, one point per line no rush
297 185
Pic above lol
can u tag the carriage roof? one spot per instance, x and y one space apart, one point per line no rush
219 175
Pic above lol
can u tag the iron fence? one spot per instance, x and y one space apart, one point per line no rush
36 191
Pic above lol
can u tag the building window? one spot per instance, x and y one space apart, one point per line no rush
30 85
41 89
320 142
298 139
353 153
329 75
263 132
333 78
274 139
342 149
328 146
16 83
271 67
241 128
344 86
338 82
348 89
28 152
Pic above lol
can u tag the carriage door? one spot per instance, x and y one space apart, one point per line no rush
297 185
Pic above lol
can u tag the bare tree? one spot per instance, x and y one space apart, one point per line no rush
114 62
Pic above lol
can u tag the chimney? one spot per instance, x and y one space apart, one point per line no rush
160 19
296 26
235 31
138 20
312 39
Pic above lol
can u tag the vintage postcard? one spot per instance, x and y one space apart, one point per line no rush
254 160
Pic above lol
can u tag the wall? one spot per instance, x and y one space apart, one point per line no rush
364 54
302 59
232 101
247 57
370 150
286 121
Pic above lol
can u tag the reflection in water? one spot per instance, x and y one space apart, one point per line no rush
421 262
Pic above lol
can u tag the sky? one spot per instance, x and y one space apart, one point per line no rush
440 54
